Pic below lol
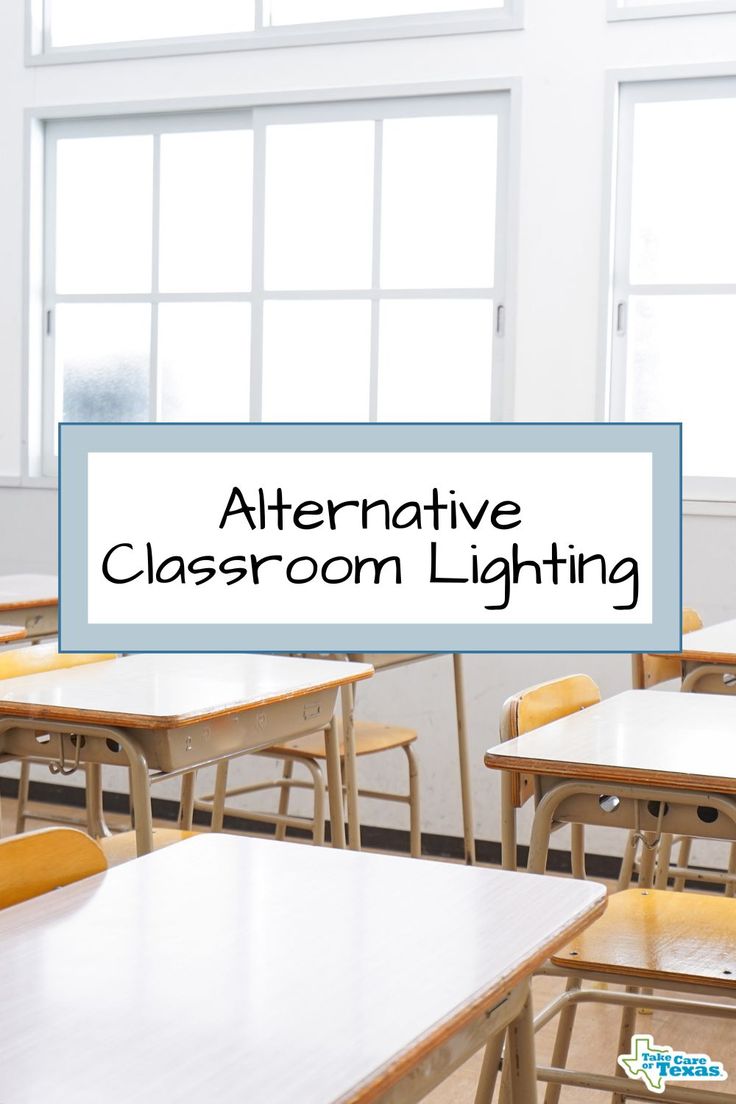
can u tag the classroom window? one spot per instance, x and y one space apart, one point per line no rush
674 294
312 263
650 9
62 27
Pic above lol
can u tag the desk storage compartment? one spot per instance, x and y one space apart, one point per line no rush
386 659
173 748
38 621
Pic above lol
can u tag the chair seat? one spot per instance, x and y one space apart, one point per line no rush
369 739
660 936
121 847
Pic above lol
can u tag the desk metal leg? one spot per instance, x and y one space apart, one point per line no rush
334 785
520 1060
140 795
464 758
508 824
351 774
96 825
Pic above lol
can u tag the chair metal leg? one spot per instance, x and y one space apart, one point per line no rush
683 860
648 859
415 827
562 1040
286 772
628 1026
23 783
664 861
627 862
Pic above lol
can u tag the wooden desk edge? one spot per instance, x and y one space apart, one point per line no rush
26 603
10 633
591 772
23 710
386 1077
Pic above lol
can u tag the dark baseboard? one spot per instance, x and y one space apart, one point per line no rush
382 839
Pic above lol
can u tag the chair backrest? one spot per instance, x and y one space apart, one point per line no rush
38 862
41 657
540 705
649 670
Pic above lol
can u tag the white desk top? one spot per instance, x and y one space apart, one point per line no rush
684 741
27 591
244 970
168 691
11 632
715 644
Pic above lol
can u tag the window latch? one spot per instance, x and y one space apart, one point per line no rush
49 322
500 320
621 318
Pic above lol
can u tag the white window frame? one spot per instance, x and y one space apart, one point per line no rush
625 89
39 50
663 11
39 465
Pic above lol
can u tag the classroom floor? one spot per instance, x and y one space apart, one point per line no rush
596 1032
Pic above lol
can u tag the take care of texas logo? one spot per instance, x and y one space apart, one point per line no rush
657 1065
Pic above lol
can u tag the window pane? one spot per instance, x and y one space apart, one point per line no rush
206 211
439 202
683 215
682 367
278 13
319 206
316 361
102 362
204 361
435 360
104 191
83 22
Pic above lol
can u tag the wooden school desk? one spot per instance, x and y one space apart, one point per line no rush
9 633
707 656
654 763
169 714
386 661
30 601
177 978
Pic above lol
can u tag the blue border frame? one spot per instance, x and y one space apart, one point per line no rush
662 440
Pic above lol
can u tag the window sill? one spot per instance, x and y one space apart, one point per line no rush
29 482
368 31
683 8
709 508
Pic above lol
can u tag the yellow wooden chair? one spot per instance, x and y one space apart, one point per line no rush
309 752
651 939
38 862
531 708
649 670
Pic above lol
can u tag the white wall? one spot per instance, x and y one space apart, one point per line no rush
561 59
